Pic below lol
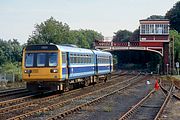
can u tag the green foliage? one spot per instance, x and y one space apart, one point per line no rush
90 36
52 31
174 16
122 36
12 68
79 39
10 51
84 38
155 17
10 57
135 35
174 34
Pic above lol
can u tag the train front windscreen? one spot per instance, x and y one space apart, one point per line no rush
41 59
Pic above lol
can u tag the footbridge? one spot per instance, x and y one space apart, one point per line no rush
153 36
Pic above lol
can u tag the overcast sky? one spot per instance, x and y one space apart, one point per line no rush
18 17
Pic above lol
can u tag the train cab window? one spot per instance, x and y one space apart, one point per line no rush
52 59
29 60
41 59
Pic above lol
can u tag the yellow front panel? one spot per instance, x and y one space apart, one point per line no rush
42 73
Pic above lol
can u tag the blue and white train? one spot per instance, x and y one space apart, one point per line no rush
58 67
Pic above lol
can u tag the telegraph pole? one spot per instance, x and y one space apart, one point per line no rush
171 57
173 54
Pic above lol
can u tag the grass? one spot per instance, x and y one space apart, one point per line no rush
6 85
107 108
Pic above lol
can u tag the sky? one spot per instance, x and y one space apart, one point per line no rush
19 17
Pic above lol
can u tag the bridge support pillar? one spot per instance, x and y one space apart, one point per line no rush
166 65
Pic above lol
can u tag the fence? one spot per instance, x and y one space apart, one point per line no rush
4 77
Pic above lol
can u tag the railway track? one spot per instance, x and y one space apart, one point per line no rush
177 90
9 95
12 91
96 98
10 102
150 107
43 107
170 111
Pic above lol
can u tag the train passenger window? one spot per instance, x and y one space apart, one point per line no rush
52 59
29 59
83 59
63 57
79 60
41 59
71 59
89 60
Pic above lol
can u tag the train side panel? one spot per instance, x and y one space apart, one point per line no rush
74 65
103 62
80 62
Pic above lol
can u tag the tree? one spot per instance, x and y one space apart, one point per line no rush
12 68
50 31
79 39
174 16
122 36
174 34
135 35
16 50
10 51
91 36
3 58
155 17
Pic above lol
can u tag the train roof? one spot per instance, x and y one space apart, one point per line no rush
74 49
65 49
98 52
40 47
57 47
82 50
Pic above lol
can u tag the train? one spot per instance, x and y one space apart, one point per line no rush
52 67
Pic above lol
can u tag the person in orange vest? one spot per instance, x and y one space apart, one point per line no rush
156 86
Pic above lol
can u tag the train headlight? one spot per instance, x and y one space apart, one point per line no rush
27 71
54 70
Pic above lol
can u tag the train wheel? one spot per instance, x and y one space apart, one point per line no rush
66 86
105 79
87 82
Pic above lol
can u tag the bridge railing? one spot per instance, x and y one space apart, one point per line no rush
123 44
120 43
133 44
103 43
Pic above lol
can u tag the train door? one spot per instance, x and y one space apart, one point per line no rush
110 62
67 65
96 64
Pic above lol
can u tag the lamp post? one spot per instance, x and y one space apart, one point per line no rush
158 68
167 68
173 64
177 66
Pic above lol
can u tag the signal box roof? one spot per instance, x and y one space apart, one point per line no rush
154 21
